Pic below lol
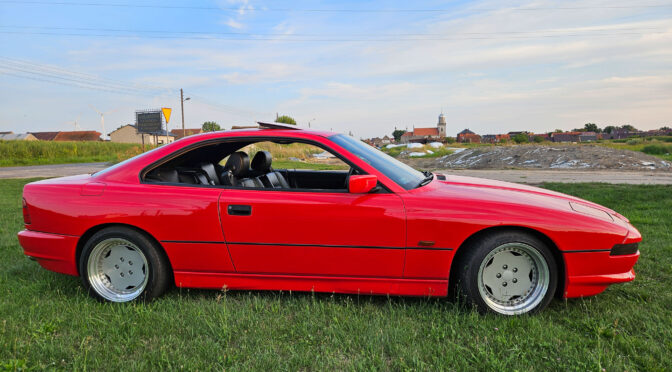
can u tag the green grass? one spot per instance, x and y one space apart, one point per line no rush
16 153
656 146
47 322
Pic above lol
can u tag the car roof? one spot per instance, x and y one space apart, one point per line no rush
259 132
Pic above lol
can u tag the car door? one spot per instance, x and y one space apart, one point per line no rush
314 232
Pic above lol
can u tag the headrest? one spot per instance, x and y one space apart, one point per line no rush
238 164
262 162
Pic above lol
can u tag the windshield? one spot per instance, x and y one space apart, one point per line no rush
395 170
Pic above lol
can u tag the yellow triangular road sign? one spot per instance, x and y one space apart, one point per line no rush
166 113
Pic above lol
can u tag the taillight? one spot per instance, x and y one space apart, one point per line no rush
26 214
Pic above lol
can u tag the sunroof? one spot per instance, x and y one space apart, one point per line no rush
263 125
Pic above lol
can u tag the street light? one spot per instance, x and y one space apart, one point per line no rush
313 119
182 99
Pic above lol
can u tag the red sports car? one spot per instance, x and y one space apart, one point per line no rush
331 214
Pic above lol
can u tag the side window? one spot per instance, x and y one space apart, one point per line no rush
295 155
258 165
290 166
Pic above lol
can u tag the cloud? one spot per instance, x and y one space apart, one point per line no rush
233 24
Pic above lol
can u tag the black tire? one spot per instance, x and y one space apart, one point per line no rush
489 294
153 270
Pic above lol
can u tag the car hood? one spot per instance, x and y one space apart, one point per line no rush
513 192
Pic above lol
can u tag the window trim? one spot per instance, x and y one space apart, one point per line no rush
156 164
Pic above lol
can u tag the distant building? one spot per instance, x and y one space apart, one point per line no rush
78 135
424 135
566 137
10 136
179 133
587 137
467 136
44 136
129 134
495 138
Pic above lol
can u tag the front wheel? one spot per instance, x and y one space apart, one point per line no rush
509 273
119 264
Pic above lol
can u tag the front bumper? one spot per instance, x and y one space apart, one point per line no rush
54 252
590 273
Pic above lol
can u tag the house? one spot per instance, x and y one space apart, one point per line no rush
425 135
587 137
44 136
10 136
467 136
179 133
495 138
386 140
129 134
79 135
566 137
544 136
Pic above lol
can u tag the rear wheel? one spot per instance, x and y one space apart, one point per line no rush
119 264
510 273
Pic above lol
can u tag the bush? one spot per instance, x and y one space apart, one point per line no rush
521 138
657 149
538 139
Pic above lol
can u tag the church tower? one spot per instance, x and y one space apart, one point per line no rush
442 126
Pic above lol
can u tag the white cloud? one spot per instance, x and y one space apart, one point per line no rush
233 24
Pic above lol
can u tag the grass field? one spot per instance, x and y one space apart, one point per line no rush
47 322
659 146
16 153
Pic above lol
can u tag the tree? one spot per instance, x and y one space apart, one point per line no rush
538 139
592 127
211 126
609 129
449 140
629 128
558 131
285 119
397 134
521 138
665 128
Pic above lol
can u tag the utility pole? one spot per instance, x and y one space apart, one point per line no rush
182 111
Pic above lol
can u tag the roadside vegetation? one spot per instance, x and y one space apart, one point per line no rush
48 322
17 153
657 146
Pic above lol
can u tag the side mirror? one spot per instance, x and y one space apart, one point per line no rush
362 184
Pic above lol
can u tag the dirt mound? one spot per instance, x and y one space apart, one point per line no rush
545 157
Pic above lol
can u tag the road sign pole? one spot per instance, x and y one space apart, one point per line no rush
182 111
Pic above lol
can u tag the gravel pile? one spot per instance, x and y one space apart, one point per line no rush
545 157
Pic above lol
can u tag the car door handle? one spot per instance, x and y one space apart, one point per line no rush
239 210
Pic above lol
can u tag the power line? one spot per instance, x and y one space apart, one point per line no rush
34 71
288 38
59 76
82 79
207 33
315 10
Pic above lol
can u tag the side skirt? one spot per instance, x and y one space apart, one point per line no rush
329 284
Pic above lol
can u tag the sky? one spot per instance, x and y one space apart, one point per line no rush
365 67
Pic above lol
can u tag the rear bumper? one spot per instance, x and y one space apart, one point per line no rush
590 273
52 251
